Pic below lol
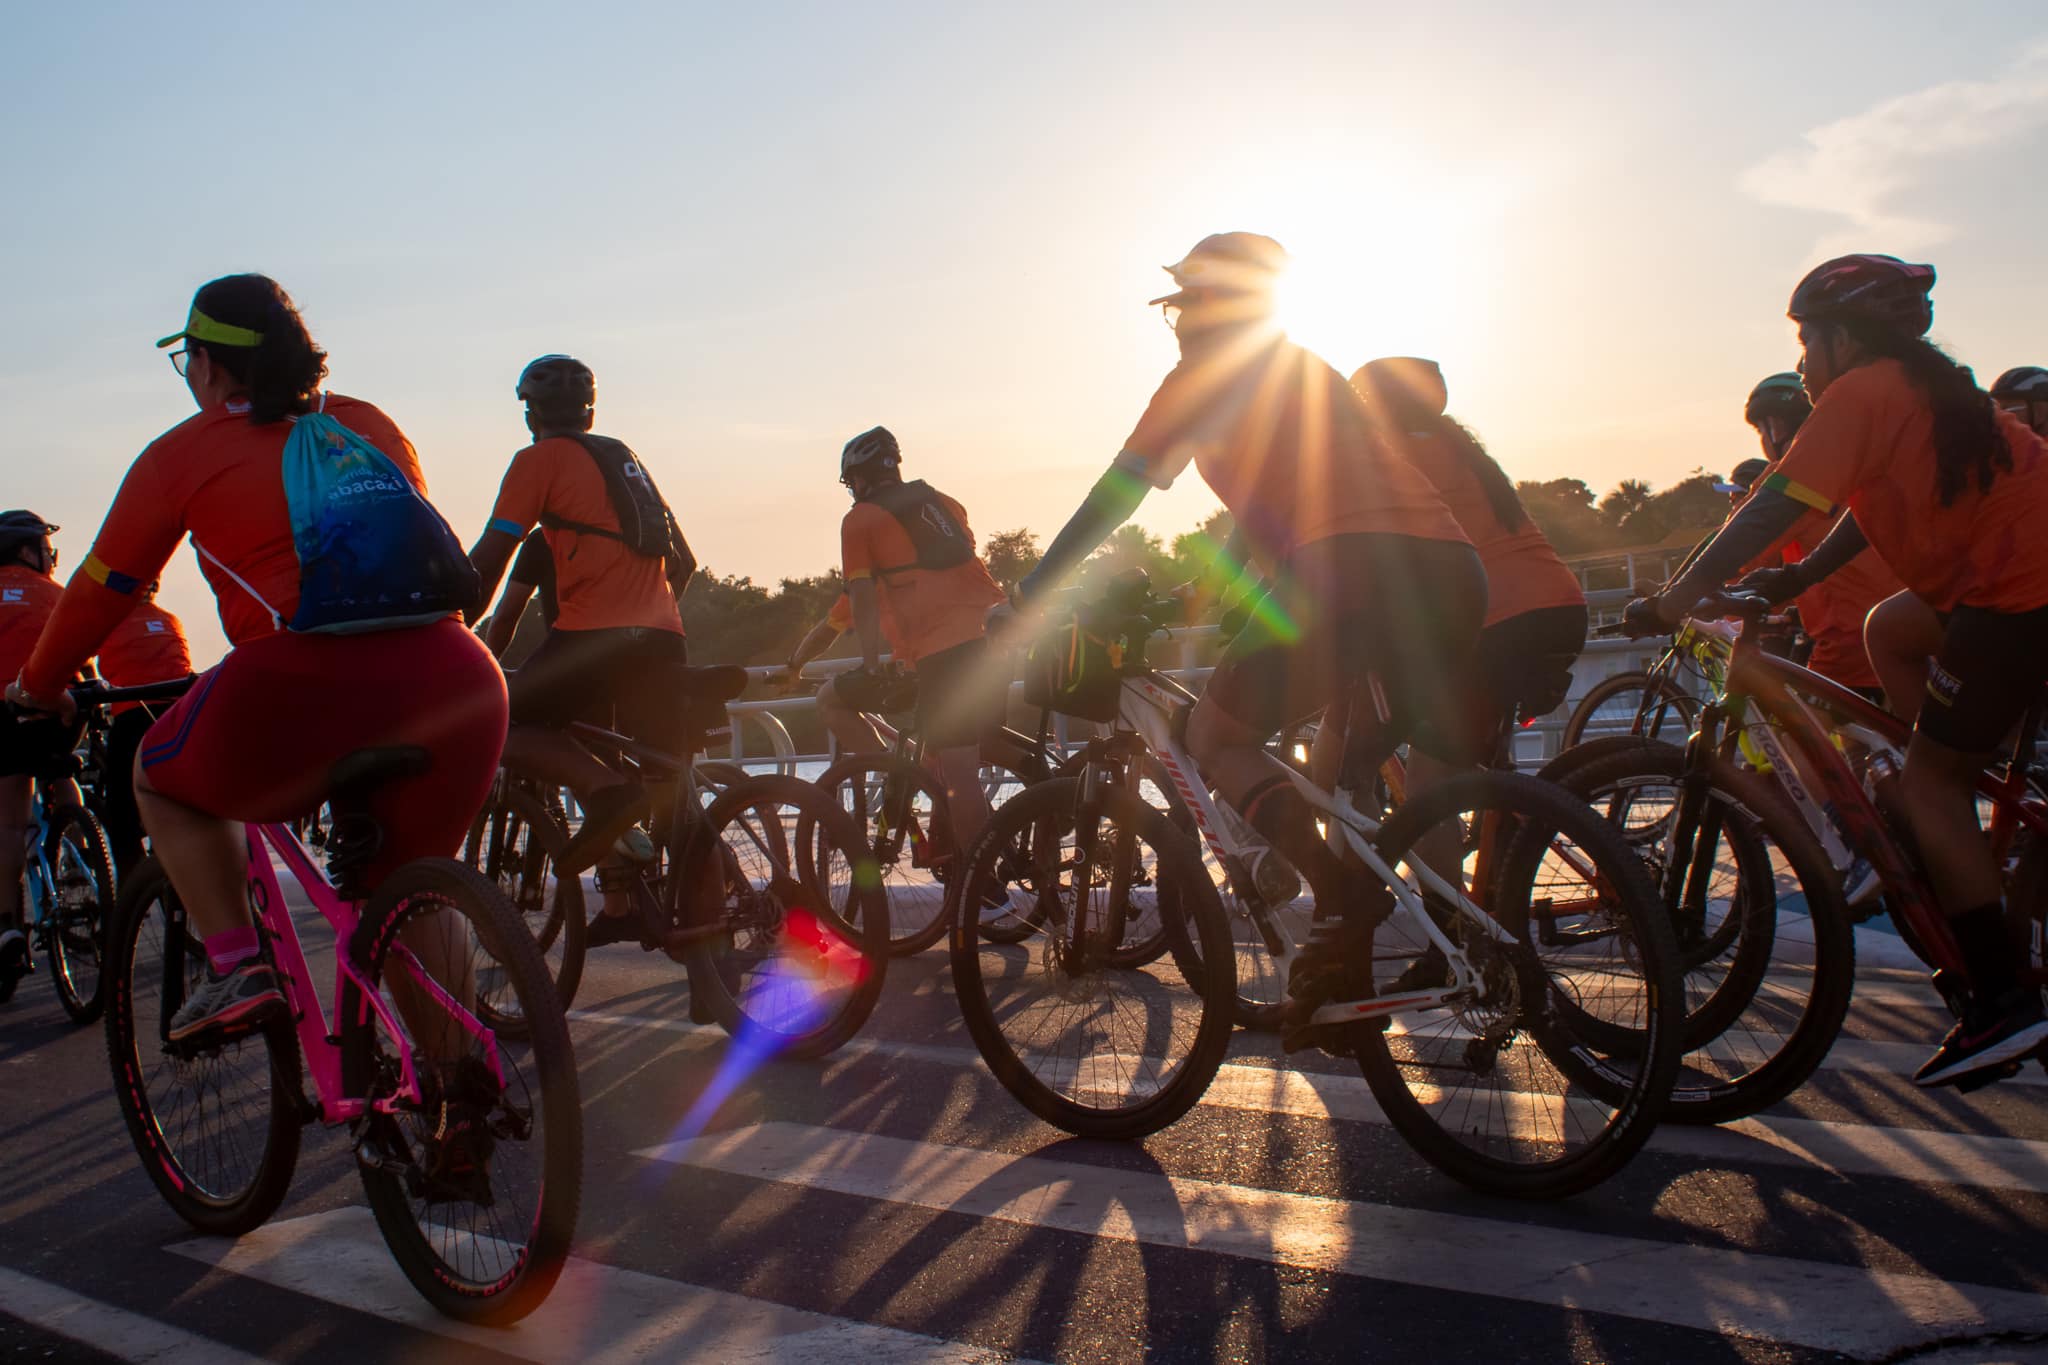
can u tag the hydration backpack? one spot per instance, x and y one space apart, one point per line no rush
373 554
939 538
646 526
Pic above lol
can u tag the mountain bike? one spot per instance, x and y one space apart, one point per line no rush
902 806
784 942
1483 1078
468 1142
67 889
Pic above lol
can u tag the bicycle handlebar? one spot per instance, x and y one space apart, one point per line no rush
96 691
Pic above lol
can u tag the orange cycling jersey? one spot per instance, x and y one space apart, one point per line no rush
1523 572
147 647
1870 444
1832 611
599 582
932 609
219 479
27 597
1287 446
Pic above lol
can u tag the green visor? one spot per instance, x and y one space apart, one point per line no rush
200 327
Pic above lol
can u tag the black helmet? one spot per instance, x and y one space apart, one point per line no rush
1781 395
557 383
1875 289
876 443
22 527
2029 382
1742 476
1404 385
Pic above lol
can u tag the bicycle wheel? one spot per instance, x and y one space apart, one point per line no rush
1491 1089
790 937
73 925
902 814
516 842
1764 938
216 1123
1611 706
1099 1050
474 1174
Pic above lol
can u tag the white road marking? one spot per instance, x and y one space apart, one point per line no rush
1845 1308
598 1314
1845 1149
104 1327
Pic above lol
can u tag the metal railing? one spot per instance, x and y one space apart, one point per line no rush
760 739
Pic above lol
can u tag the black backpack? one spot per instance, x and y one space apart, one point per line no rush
646 526
937 535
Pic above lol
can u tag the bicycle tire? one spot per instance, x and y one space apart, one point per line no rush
516 842
859 785
395 1148
1607 689
152 960
1197 934
1724 1077
1542 813
763 892
74 928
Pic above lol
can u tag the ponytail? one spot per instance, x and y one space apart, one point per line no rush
281 375
1968 445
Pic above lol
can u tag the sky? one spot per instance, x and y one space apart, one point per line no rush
768 227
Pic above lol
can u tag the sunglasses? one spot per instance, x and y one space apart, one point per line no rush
181 360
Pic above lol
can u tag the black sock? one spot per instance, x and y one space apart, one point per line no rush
1286 820
1988 949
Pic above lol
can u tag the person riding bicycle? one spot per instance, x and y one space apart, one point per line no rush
259 733
1831 612
2023 392
621 566
848 724
148 646
910 564
1952 493
1369 568
28 594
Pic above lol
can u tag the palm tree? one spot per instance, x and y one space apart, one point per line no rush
1629 497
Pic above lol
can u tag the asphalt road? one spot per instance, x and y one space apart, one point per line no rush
893 1204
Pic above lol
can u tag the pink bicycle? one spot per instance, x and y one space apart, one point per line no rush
445 1052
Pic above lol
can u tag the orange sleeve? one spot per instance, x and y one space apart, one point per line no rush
856 542
137 539
1160 446
1829 457
523 493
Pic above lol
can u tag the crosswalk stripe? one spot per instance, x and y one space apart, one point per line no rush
1807 1303
118 1332
598 1314
1985 1162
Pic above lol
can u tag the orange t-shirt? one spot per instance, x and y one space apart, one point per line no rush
932 609
147 647
1832 611
599 583
1523 572
1287 446
220 480
1870 444
26 600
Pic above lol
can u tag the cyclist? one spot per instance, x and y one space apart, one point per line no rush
1952 493
909 559
28 593
1367 564
620 567
847 723
259 733
148 646
2023 392
1739 479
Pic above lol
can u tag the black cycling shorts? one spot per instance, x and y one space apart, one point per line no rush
1523 660
1403 610
1990 669
623 670
961 695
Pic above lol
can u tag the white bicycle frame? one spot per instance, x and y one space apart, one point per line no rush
1148 706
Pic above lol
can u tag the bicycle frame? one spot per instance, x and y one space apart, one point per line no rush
320 1039
1148 708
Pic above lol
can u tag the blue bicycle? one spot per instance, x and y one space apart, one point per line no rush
69 889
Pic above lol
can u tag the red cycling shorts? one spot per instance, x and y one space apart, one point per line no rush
256 736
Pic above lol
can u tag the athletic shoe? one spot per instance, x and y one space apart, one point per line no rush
240 997
607 815
14 961
1990 1035
1430 972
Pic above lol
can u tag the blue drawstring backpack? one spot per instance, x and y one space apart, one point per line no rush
373 554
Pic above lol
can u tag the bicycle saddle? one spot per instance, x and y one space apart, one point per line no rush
1545 685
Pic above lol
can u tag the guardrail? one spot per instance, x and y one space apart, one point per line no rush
761 740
